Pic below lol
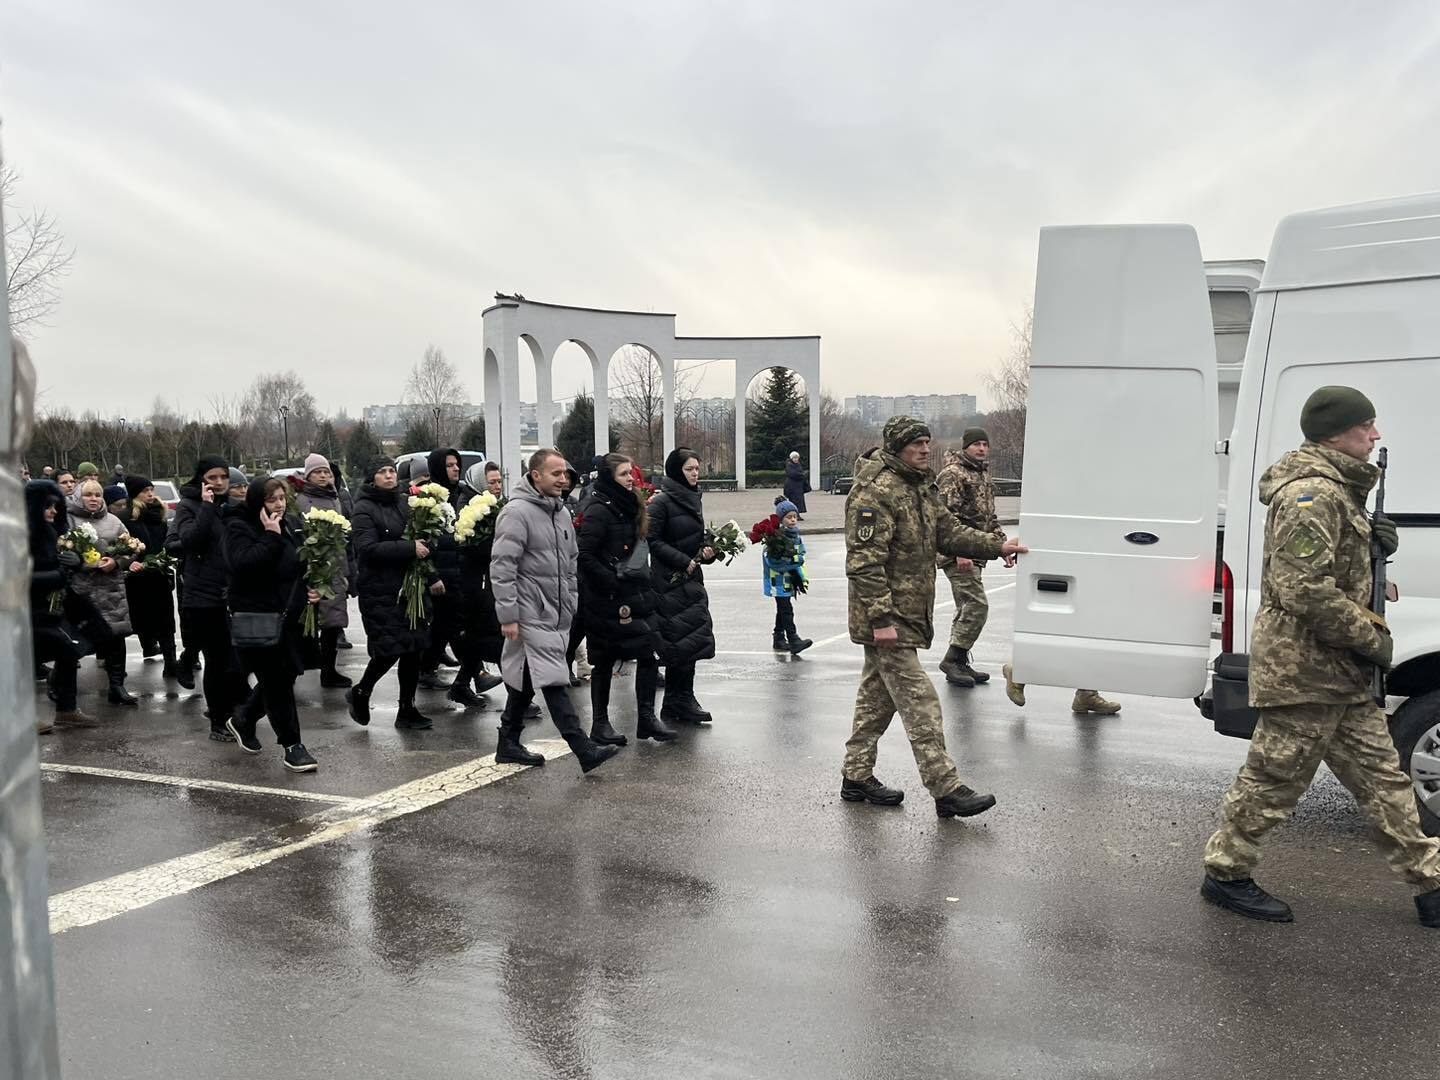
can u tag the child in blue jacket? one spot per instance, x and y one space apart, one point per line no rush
784 580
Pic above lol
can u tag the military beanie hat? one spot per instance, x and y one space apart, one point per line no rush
901 431
1333 409
974 435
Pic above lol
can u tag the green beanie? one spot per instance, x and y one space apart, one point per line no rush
901 431
974 435
86 467
1333 409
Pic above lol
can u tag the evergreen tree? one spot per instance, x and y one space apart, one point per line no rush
778 423
473 437
360 446
327 442
576 436
418 436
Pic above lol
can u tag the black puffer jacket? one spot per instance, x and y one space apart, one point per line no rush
197 537
677 533
48 577
377 533
152 606
444 553
265 567
607 535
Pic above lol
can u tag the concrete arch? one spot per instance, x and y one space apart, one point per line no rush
602 333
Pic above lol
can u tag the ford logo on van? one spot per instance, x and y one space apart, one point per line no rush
1143 538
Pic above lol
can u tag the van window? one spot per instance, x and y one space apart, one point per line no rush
1229 310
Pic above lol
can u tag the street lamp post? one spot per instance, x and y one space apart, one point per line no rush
439 437
285 424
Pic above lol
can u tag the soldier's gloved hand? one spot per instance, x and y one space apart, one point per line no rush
1384 655
1387 536
69 560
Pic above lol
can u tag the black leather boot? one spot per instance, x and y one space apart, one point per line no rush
602 732
1246 898
955 667
980 677
650 726
331 679
588 752
963 802
118 694
171 669
871 791
778 643
680 705
795 643
358 698
509 750
409 718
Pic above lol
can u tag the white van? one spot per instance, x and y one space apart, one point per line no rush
1118 588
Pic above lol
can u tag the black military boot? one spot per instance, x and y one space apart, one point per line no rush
870 790
963 802
1428 905
588 752
509 751
956 668
1246 898
980 677
602 732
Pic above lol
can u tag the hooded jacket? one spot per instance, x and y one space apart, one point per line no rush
533 573
894 526
677 535
1314 631
446 554
46 575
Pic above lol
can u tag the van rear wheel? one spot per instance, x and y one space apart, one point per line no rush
1415 727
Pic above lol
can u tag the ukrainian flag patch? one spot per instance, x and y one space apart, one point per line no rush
1304 500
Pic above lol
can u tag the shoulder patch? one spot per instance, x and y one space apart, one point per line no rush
1305 542
866 523
1304 500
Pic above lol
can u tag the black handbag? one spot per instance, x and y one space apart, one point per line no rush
636 567
256 629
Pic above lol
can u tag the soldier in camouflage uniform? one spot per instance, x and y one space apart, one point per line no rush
1314 647
966 490
894 525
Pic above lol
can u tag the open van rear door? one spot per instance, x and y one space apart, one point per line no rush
1119 500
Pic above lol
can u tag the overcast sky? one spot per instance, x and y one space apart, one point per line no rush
327 186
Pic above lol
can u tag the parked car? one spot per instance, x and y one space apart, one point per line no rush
841 485
467 458
168 494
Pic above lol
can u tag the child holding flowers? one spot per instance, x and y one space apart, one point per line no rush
783 568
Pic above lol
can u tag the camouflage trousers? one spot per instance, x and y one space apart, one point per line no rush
1289 743
971 606
893 679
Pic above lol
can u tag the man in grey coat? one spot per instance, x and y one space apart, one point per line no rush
533 573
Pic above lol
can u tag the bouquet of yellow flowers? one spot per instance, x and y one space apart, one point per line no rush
83 540
431 516
327 537
476 521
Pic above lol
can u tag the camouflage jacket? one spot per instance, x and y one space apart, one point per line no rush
894 525
1314 626
968 493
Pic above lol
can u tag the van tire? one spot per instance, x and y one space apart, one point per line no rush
1416 722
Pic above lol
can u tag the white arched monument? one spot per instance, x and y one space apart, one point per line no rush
600 334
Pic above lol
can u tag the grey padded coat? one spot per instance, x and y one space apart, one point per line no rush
532 570
105 591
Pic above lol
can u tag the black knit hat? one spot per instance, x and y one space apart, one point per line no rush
134 485
974 435
901 431
375 464
205 464
1333 409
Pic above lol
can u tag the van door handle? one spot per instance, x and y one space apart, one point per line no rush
1052 585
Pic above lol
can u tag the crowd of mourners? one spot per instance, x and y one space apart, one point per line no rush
570 580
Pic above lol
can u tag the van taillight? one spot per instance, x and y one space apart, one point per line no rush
1227 609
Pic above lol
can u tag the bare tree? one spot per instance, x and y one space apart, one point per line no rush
36 258
260 418
843 436
637 403
1009 384
433 391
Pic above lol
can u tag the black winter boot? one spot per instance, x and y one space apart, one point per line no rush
795 643
779 644
118 694
955 667
650 726
330 678
680 705
588 752
510 751
601 731
1246 898
409 718
358 698
462 694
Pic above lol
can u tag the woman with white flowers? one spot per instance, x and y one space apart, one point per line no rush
319 493
102 580
382 510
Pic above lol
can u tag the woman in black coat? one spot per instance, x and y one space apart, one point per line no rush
678 548
54 609
151 593
378 536
796 482
263 553
619 609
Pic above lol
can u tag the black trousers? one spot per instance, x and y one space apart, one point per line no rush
409 675
274 669
557 701
51 647
784 614
446 628
224 684
647 672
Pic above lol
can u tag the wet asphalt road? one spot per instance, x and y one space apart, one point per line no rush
712 909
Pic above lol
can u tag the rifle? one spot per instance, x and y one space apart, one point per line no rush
1378 582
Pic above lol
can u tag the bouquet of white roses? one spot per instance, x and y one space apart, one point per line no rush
327 536
476 521
84 541
431 516
725 540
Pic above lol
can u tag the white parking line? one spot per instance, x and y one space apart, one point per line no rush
101 900
203 785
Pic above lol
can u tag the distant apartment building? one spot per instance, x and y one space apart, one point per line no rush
928 407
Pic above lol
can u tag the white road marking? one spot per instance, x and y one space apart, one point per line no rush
101 900
203 785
